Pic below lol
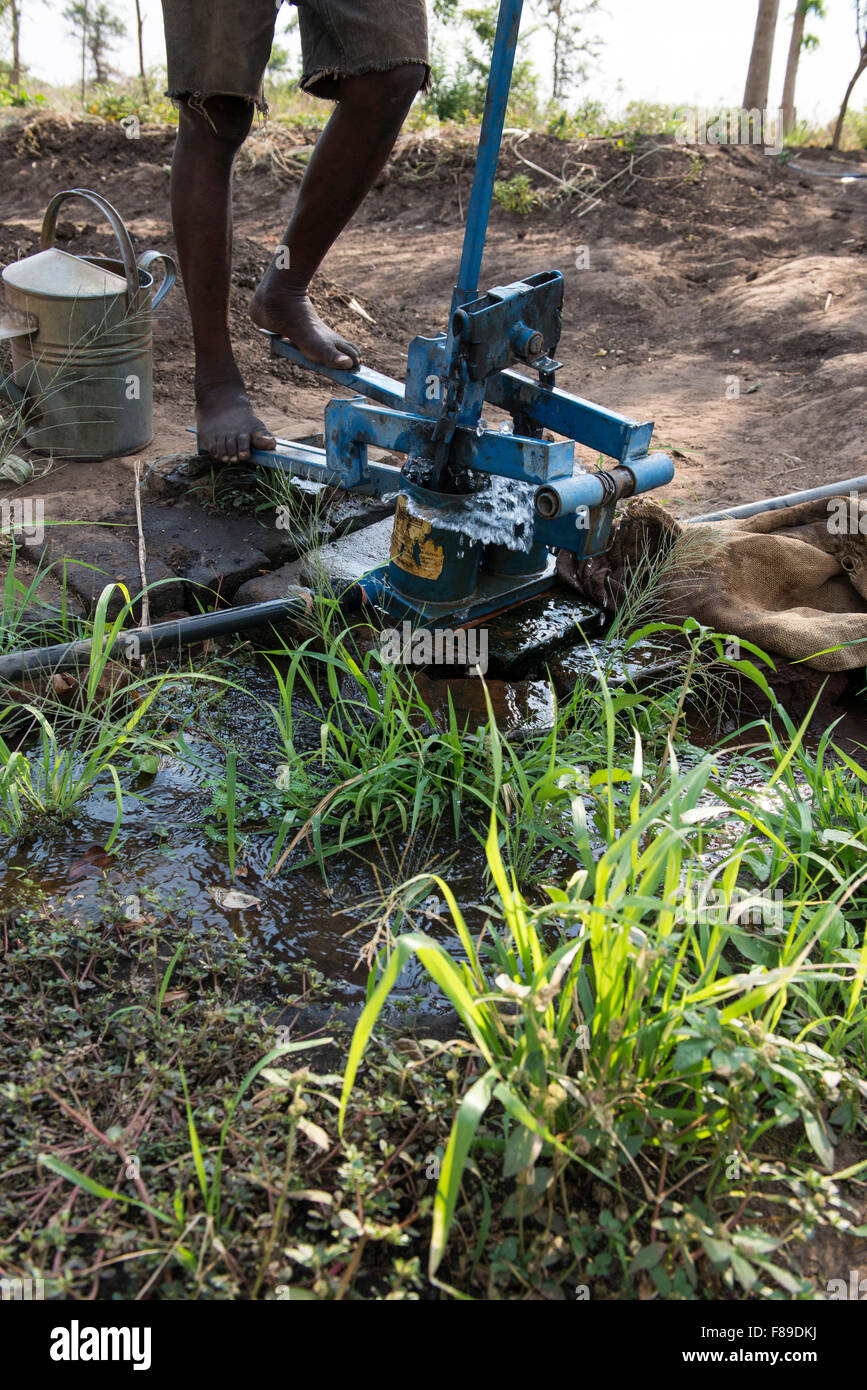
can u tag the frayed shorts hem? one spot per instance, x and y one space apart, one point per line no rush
323 82
196 100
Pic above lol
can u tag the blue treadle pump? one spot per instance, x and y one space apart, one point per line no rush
479 510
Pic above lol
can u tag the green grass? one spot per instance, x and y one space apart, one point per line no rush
642 1091
612 1040
645 1045
28 618
516 195
53 755
382 763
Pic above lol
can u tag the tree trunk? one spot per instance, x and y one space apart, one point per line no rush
15 74
84 53
759 74
794 58
141 67
838 129
558 22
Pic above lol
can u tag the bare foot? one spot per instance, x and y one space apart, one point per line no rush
227 427
287 311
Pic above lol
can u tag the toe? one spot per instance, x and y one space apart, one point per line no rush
262 439
351 351
243 446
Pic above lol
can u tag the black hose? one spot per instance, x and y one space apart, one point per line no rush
181 632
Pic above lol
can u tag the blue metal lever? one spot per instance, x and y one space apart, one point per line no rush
434 417
487 156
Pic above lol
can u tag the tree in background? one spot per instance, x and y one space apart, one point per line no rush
11 10
861 35
281 59
79 23
459 86
572 48
139 25
98 27
759 73
798 43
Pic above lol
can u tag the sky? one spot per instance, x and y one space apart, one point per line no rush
681 52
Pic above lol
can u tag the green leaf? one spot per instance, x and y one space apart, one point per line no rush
445 973
691 1053
146 764
819 1138
648 1257
466 1122
719 1252
96 1189
194 1141
522 1150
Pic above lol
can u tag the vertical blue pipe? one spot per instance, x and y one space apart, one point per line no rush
496 100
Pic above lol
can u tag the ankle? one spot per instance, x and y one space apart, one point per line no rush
217 383
284 282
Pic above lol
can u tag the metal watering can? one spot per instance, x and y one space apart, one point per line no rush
80 329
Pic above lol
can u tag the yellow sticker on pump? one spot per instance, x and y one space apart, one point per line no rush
413 548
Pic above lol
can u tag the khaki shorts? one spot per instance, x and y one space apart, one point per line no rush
221 47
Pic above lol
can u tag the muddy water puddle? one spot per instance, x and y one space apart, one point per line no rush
170 864
170 860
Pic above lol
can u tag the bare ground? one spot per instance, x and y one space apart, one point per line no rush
725 295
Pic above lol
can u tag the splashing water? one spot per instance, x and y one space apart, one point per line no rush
500 514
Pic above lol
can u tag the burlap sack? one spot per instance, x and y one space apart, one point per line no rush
792 581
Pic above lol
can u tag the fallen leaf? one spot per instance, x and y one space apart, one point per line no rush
15 469
359 309
62 685
314 1133
312 1194
233 901
91 863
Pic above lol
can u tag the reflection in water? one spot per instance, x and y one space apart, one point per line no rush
166 861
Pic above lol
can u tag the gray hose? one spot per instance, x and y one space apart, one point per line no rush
772 504
822 173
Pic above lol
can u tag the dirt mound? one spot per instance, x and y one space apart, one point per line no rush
697 281
811 305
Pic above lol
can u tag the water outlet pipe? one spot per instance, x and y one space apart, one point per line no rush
132 643
791 499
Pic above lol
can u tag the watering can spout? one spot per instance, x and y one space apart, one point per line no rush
16 325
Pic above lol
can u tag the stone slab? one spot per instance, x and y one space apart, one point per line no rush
345 561
212 552
94 556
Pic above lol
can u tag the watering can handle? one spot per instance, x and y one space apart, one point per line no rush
49 224
169 276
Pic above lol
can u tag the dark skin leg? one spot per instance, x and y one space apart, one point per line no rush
202 216
349 156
